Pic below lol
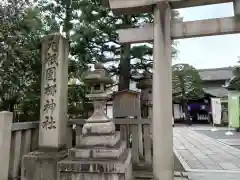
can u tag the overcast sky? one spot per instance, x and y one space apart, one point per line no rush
209 52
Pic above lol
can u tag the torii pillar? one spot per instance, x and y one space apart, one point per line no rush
162 81
162 95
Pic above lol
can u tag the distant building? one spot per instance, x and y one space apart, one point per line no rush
215 79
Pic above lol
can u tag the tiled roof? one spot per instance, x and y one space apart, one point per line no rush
216 91
216 74
224 73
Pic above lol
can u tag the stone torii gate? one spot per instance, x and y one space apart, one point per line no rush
161 32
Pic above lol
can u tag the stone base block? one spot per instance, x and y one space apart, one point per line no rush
98 128
104 169
41 165
96 140
98 152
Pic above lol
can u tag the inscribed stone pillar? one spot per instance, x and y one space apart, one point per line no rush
53 121
162 95
42 163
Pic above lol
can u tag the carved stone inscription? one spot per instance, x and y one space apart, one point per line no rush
51 54
50 76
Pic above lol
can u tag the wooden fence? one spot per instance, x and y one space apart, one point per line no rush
18 139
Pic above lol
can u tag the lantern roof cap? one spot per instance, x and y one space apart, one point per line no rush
98 76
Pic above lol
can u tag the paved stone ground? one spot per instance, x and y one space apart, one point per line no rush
219 135
145 175
203 155
207 127
198 152
212 176
141 175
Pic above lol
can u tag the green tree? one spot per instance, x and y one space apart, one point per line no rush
22 27
91 31
97 41
19 52
234 83
65 13
186 85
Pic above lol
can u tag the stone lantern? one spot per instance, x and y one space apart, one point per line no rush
101 154
97 80
145 84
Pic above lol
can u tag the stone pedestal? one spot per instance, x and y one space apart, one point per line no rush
96 165
103 157
41 165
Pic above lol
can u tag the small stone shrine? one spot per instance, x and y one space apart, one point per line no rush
145 84
101 155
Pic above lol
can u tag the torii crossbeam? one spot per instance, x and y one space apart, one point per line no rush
182 30
135 6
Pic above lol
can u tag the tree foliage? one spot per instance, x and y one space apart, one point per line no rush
91 30
20 35
234 83
187 84
97 41
23 24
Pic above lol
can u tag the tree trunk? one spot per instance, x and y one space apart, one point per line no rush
11 105
67 23
124 66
